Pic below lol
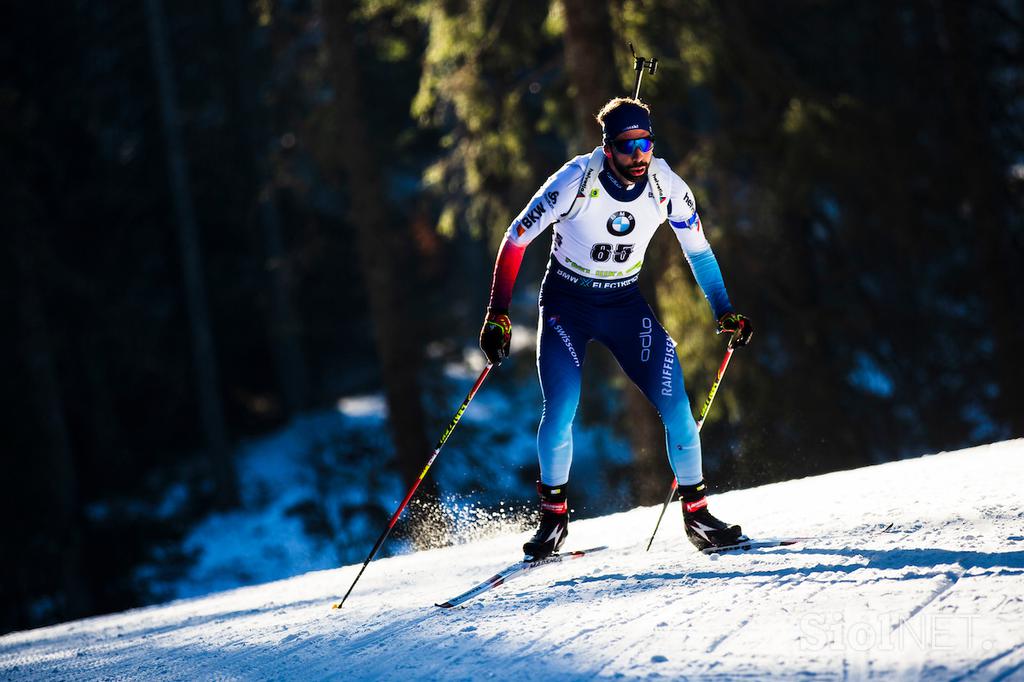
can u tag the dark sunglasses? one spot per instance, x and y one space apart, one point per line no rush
627 147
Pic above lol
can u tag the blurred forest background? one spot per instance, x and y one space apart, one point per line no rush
219 216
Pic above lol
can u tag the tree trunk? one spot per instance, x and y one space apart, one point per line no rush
590 64
58 470
379 243
997 256
207 380
255 143
106 427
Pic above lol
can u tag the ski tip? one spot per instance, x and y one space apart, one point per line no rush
446 605
751 543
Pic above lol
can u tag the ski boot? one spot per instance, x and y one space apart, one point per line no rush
703 529
554 523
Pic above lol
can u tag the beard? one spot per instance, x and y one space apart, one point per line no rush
626 171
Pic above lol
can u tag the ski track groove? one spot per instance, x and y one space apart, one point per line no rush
584 635
542 604
1003 675
600 666
764 586
234 659
781 582
714 645
357 644
935 597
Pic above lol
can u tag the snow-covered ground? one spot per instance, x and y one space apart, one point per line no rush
938 596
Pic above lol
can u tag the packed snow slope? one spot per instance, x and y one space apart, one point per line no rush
938 596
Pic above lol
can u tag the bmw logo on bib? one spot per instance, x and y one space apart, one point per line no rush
621 223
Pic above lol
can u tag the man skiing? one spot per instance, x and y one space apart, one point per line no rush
605 207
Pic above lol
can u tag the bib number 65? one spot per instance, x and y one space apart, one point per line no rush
602 252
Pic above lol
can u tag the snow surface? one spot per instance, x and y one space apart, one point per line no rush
938 596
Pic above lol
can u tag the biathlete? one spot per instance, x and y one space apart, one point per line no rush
605 207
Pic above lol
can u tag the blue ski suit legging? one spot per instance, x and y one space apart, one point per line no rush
570 317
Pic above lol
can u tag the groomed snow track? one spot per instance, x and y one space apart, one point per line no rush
938 596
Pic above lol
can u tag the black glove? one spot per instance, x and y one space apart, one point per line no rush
496 336
739 326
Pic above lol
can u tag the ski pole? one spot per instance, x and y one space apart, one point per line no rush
700 422
412 490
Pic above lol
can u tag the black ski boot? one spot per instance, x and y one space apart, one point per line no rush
703 529
554 523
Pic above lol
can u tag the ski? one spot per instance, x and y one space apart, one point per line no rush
512 571
749 544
